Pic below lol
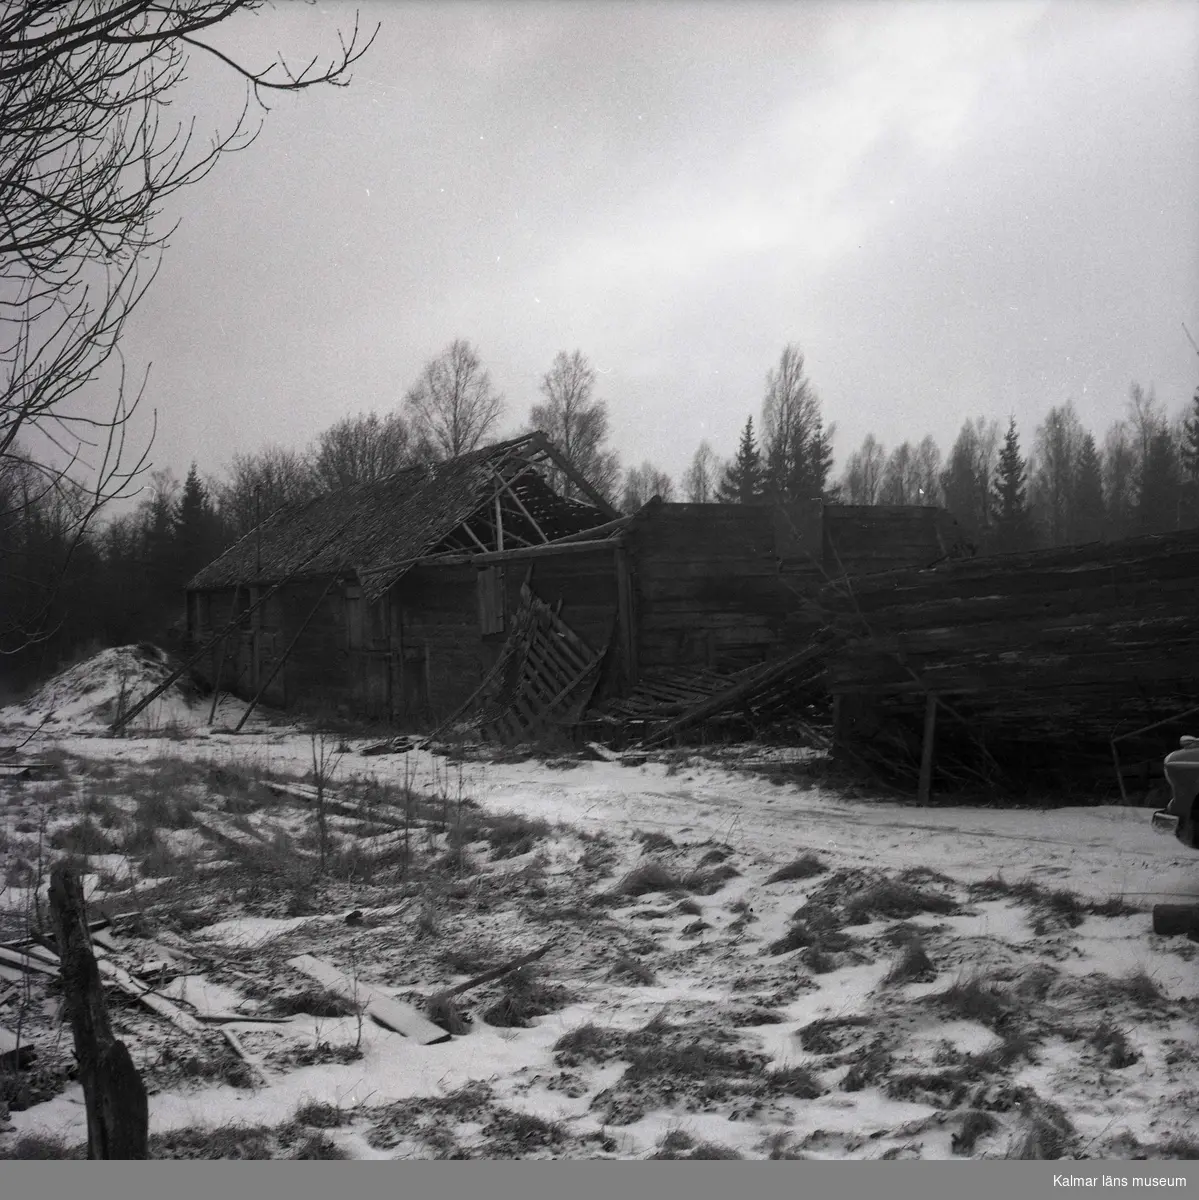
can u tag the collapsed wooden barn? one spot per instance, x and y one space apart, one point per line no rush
379 600
1045 668
473 586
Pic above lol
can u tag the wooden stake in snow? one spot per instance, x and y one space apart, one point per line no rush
117 1110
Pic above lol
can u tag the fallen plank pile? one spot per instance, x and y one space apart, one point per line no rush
670 706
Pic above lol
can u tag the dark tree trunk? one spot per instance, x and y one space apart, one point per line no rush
117 1111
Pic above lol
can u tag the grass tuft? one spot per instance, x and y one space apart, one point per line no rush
803 867
912 963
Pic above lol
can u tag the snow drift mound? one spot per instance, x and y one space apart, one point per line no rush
95 691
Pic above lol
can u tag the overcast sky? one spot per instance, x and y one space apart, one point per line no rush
961 208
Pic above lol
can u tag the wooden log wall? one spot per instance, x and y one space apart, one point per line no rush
707 586
1063 648
863 539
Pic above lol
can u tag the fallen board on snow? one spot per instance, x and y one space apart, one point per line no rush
154 1002
391 1014
24 962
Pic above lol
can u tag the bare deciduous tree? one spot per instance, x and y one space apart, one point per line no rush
928 471
90 151
642 484
901 477
797 448
1058 443
864 472
577 425
702 476
967 480
453 405
361 449
260 483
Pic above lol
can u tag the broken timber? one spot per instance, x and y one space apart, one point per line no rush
757 681
391 1014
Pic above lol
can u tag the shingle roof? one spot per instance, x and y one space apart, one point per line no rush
389 522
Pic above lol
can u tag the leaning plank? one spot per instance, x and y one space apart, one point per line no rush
154 1002
391 1014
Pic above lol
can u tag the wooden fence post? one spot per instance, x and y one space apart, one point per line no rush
117 1110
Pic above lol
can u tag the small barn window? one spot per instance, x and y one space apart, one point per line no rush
490 586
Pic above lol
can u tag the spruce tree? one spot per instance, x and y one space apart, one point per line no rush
742 481
1088 506
196 529
1011 525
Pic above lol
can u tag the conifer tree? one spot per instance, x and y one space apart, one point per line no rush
1088 506
1011 525
742 481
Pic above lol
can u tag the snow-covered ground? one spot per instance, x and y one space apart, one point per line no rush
934 982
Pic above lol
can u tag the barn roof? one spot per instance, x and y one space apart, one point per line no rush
378 529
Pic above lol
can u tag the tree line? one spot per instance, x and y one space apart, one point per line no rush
1067 488
125 575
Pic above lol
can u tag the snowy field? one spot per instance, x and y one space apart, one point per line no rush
742 960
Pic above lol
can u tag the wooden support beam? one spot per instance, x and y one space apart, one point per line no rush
499 524
220 671
470 533
578 480
278 665
927 749
528 516
548 550
625 614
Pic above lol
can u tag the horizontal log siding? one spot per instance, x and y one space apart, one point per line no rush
706 583
438 614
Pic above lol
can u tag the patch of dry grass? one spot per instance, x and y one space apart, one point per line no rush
911 964
975 1124
524 997
974 998
1112 1044
804 867
628 969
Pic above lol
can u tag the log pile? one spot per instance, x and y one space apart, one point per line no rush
1041 658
